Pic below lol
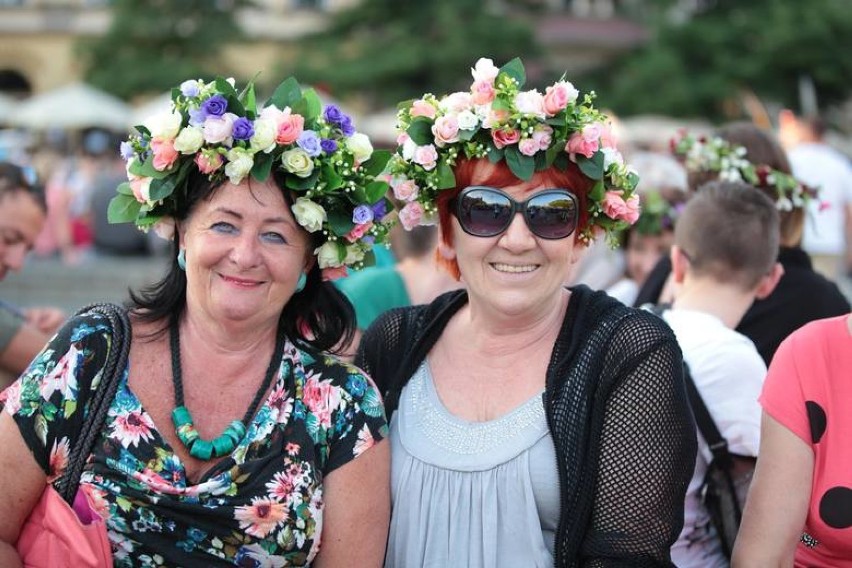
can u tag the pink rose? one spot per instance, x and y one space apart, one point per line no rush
456 102
494 118
528 146
446 130
218 129
482 92
530 103
208 161
410 215
289 129
164 153
426 156
405 190
358 231
402 138
329 274
607 137
505 137
543 135
615 207
633 209
141 188
558 97
422 108
585 142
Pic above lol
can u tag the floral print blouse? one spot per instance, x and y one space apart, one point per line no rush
261 506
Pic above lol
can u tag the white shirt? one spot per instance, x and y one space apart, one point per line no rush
821 166
728 372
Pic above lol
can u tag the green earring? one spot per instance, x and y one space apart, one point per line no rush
181 259
300 284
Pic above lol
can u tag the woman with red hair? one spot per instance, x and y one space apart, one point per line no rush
531 424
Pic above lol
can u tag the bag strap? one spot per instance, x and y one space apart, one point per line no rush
92 424
706 425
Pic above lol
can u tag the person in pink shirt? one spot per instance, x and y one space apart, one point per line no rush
799 509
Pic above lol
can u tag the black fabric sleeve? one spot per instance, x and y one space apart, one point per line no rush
646 457
653 286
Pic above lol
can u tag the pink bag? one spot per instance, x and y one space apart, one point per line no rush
57 536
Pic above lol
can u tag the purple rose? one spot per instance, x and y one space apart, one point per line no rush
346 126
362 214
243 129
333 115
379 209
197 116
328 146
215 105
126 150
189 88
310 143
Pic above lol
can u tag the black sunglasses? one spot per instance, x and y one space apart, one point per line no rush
486 212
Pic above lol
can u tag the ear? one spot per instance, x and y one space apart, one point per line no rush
445 251
680 264
767 283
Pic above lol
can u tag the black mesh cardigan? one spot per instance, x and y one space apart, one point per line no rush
617 410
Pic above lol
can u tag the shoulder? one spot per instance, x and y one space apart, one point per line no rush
598 313
341 381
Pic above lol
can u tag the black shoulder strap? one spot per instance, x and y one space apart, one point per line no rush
718 445
102 397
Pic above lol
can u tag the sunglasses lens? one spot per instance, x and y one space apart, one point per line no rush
484 212
552 215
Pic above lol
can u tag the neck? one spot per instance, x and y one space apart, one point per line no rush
220 344
725 301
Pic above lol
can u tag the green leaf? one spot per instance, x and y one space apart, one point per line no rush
377 162
309 106
124 189
500 103
521 165
249 100
70 407
376 190
287 94
495 154
301 184
332 179
515 70
446 177
225 88
593 167
467 135
551 153
420 131
369 259
561 161
340 223
123 209
146 169
598 190
262 166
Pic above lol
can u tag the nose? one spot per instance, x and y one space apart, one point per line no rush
246 251
517 237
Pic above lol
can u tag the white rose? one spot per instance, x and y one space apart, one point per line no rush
308 214
273 114
484 70
456 102
467 120
164 125
219 128
240 163
354 254
264 135
298 162
328 255
359 145
190 140
530 102
408 149
611 156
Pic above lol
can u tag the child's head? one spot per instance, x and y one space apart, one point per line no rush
728 232
652 236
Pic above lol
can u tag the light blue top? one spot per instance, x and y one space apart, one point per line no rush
473 494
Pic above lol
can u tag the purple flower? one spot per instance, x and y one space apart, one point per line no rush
362 214
333 115
215 105
197 116
379 209
126 150
189 88
310 143
328 146
346 126
243 129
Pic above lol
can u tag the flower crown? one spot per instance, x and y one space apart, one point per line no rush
218 131
716 155
658 214
529 130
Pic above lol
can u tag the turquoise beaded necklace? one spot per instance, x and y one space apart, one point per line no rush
185 427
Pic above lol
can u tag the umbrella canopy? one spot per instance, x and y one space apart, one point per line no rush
73 106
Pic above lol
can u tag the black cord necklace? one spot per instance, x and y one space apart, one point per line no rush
182 419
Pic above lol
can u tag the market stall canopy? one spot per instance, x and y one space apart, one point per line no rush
71 107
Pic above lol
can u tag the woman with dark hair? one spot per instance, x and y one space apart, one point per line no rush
523 431
233 439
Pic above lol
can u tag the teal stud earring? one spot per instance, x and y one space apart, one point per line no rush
181 259
300 284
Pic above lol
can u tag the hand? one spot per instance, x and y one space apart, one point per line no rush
45 319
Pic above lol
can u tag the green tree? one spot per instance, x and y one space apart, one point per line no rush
390 50
153 45
702 65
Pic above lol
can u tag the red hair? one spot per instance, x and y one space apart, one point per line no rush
499 175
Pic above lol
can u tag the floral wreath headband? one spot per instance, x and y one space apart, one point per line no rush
716 155
212 128
658 214
531 131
